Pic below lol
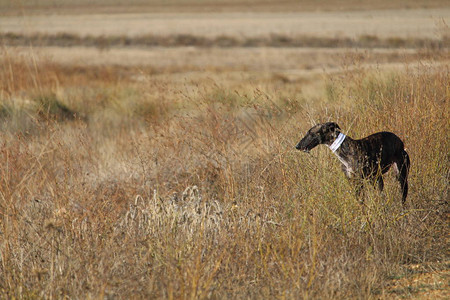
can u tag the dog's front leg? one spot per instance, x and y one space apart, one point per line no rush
359 193
355 181
358 185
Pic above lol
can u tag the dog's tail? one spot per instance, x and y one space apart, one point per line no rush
404 167
407 161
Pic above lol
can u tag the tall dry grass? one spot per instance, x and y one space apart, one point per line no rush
116 188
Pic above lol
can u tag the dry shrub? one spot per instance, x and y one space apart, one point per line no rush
182 40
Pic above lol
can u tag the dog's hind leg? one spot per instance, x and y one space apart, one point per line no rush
359 192
380 183
403 167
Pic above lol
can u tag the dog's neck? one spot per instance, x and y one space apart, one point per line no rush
337 142
341 148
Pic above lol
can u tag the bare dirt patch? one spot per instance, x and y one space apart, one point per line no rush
421 283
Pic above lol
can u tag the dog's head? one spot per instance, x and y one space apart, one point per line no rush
324 133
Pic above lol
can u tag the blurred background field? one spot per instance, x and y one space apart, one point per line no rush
147 149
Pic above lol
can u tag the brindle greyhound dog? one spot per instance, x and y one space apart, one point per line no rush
369 157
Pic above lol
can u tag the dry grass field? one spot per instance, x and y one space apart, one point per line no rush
12 7
411 23
144 164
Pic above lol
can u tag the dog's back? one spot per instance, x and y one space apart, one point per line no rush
382 147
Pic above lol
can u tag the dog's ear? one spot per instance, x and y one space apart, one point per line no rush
333 126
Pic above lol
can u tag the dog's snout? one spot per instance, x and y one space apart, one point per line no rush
301 148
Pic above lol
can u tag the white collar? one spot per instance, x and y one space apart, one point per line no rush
337 142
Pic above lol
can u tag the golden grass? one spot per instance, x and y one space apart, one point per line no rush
112 187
